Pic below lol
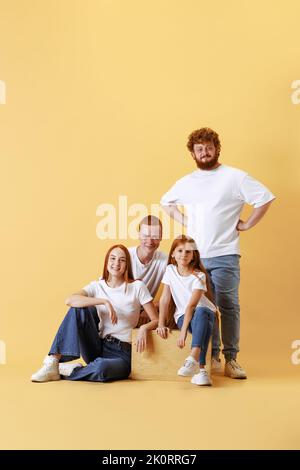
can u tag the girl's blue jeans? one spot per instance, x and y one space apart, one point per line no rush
201 327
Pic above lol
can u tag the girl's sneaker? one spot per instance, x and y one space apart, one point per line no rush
189 368
202 378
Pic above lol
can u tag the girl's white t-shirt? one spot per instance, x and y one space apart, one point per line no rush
126 300
182 287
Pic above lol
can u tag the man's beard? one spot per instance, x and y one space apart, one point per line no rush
207 165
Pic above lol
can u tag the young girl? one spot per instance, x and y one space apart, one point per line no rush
184 285
98 326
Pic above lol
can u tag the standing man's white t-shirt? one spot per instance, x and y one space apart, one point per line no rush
126 299
151 273
213 201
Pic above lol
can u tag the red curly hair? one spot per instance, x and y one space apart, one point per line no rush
205 134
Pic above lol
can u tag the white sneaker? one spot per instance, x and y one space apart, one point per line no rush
234 370
216 364
202 378
48 372
189 368
66 369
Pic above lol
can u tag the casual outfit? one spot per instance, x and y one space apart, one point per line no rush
181 288
201 324
126 300
151 273
88 332
213 201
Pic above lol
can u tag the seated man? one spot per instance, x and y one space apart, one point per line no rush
148 264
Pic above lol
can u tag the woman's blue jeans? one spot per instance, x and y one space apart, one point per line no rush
201 327
78 335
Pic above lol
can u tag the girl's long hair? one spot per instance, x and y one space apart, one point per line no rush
128 276
196 265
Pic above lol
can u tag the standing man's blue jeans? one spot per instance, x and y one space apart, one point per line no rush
224 274
78 335
201 327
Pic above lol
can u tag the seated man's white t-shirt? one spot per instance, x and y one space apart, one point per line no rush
213 201
182 287
151 273
126 299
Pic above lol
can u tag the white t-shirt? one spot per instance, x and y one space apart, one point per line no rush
182 287
151 274
213 201
127 306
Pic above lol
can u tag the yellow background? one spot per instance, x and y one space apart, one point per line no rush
101 96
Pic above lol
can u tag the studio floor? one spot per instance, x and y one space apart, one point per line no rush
262 412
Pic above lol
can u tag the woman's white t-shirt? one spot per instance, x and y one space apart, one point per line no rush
126 300
182 287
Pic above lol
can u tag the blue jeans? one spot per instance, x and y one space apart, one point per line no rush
201 327
78 336
224 274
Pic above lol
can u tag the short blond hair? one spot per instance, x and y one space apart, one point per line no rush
151 220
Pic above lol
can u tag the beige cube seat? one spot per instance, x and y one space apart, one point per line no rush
163 358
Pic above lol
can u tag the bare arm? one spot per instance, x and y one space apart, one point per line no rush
188 315
164 303
175 213
256 215
141 342
81 299
151 311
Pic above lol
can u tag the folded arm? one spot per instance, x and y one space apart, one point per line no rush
81 299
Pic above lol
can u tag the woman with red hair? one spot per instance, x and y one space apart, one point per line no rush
98 326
